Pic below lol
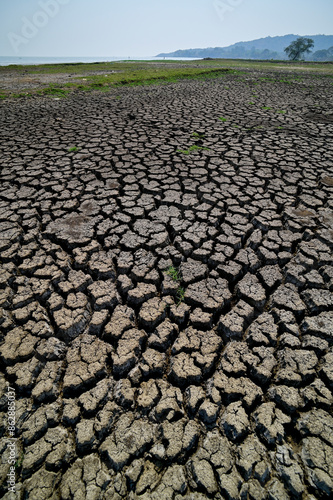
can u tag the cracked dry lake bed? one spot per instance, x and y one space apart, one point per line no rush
166 280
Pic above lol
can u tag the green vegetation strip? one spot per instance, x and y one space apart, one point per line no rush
108 75
149 75
120 74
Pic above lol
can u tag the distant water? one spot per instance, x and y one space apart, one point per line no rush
5 61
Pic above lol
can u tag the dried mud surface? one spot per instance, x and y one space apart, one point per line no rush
13 81
126 386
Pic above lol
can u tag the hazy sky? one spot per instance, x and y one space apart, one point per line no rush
146 27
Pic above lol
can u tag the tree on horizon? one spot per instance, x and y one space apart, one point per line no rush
299 47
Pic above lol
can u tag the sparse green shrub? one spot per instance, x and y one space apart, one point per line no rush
173 273
180 295
190 149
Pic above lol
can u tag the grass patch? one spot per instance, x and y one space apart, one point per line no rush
198 136
180 295
222 119
151 75
174 273
191 149
73 149
19 461
54 90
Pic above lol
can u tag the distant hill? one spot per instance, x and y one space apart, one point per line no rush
262 48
